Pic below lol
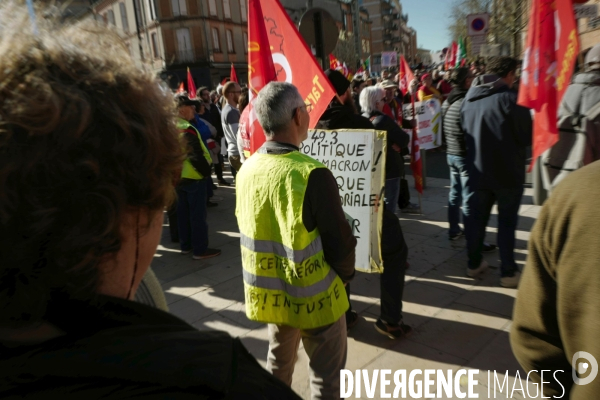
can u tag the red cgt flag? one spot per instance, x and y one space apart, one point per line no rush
552 47
293 60
260 72
191 85
406 76
233 75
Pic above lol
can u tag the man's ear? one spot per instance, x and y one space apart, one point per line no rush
297 116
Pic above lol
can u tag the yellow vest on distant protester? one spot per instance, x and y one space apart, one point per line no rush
188 170
286 278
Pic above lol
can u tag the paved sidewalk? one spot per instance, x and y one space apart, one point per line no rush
458 322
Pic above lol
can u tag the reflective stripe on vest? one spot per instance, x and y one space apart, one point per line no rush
188 171
286 277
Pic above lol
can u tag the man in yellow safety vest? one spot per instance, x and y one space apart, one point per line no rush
297 247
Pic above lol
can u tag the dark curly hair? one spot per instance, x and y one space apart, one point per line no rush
501 66
85 137
459 76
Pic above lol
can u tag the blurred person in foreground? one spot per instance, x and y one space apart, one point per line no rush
297 247
497 131
556 310
84 181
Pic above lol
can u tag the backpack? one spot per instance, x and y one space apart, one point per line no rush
579 136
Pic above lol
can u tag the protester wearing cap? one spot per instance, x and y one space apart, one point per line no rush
341 113
427 91
392 108
192 188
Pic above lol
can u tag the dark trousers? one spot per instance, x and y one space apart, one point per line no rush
480 208
219 167
459 192
394 254
173 225
191 216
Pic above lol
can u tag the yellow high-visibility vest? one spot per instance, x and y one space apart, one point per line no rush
188 170
286 278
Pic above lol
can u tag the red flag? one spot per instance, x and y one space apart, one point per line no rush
453 55
180 89
416 164
294 62
233 75
552 47
333 62
191 85
406 76
260 72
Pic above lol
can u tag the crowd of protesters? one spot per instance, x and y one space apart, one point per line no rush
112 151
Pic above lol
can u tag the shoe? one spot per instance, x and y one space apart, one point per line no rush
510 281
475 272
411 209
215 187
457 236
211 204
488 248
393 331
351 319
224 183
186 251
209 253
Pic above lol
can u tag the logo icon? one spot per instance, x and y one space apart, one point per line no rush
582 367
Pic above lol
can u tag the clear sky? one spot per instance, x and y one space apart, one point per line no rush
431 19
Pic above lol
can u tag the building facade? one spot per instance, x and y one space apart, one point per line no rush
206 36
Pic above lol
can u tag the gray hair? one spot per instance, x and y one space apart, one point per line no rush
369 98
275 105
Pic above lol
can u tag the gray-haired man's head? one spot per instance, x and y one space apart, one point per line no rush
276 107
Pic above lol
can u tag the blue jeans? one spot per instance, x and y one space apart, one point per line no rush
191 216
392 192
481 203
459 192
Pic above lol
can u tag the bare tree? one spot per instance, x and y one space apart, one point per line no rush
345 50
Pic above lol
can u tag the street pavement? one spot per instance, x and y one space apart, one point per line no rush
458 322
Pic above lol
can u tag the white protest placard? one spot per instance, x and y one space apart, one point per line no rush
429 122
389 59
357 160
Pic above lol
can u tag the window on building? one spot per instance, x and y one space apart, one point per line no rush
245 35
124 20
212 7
229 41
179 7
154 45
244 10
184 45
138 13
151 10
110 17
226 9
216 41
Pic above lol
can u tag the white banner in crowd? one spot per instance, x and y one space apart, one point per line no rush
429 122
357 160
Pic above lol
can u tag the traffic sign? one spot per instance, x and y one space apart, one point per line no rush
478 24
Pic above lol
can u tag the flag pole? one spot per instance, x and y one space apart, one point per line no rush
412 101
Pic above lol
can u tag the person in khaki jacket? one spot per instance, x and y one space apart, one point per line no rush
556 312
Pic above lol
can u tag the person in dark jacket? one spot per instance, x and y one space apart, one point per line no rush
357 85
214 117
393 247
106 151
497 131
390 322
